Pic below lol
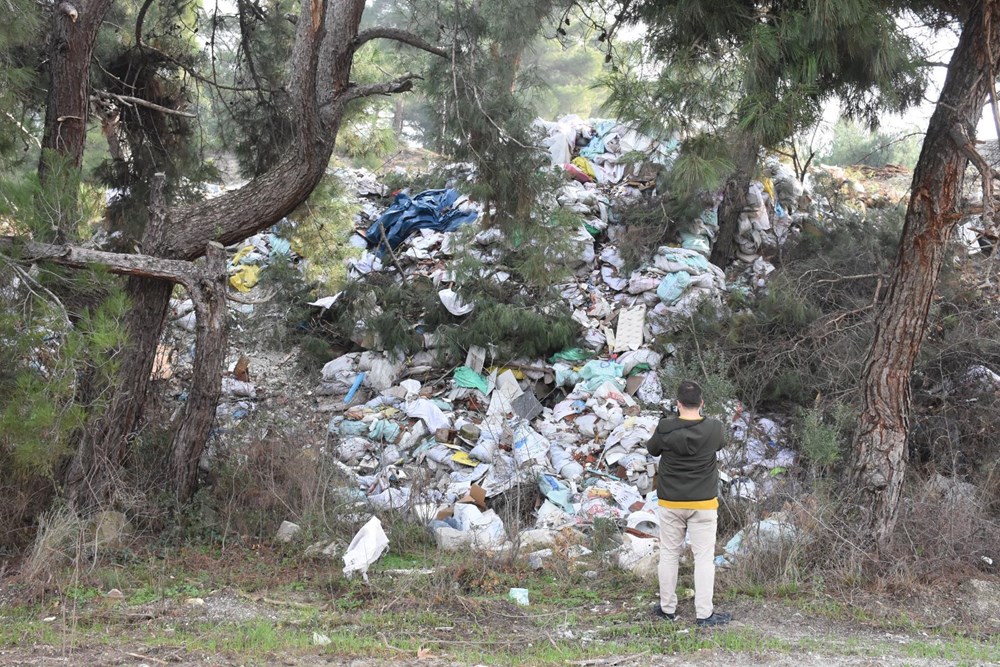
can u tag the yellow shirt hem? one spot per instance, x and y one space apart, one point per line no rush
711 504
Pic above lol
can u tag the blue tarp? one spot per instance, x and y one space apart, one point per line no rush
430 209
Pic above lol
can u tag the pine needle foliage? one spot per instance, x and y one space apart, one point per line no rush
19 41
320 233
46 355
140 141
754 73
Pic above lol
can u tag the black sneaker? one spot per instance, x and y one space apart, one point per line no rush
717 618
659 613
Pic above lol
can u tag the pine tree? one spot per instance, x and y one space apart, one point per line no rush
750 74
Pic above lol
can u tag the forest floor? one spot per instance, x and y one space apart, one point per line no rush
262 605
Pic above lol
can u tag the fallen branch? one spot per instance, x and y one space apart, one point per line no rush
146 266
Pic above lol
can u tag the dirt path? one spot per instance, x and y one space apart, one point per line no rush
763 633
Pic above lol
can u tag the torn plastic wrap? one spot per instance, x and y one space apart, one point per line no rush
367 547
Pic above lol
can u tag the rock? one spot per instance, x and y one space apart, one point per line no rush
320 639
537 537
955 491
114 594
536 559
286 532
983 599
194 602
646 567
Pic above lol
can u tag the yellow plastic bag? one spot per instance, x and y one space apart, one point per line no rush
245 278
769 189
583 164
244 251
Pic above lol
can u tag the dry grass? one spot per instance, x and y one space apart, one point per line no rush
57 543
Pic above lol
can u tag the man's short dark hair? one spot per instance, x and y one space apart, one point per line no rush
689 394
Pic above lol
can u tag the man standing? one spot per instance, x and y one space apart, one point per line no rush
687 489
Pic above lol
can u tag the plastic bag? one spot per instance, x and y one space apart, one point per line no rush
466 377
367 547
529 445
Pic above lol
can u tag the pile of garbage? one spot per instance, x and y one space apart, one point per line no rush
448 452
570 429
565 434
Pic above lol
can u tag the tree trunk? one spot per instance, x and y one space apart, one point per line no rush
397 118
97 461
734 200
880 443
71 46
210 353
319 86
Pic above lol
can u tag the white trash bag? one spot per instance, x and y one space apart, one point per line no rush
367 547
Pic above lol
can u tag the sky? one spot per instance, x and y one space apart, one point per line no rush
939 48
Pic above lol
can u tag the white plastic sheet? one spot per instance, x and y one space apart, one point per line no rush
431 414
367 547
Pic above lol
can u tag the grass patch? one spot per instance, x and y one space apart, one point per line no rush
459 613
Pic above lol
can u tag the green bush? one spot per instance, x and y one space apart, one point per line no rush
819 442
854 144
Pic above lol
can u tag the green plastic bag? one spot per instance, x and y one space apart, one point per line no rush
466 377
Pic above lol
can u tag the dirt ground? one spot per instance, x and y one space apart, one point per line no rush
805 640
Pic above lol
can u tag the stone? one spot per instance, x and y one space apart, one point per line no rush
286 532
536 559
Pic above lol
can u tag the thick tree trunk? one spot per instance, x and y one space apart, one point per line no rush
734 200
880 444
71 45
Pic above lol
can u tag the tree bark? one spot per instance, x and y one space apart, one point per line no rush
879 447
734 200
210 353
71 46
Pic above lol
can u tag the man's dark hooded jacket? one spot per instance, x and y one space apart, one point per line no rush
688 476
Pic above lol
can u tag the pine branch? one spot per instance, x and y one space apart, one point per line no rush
400 84
401 36
128 100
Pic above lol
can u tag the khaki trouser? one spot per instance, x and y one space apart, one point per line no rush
700 526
